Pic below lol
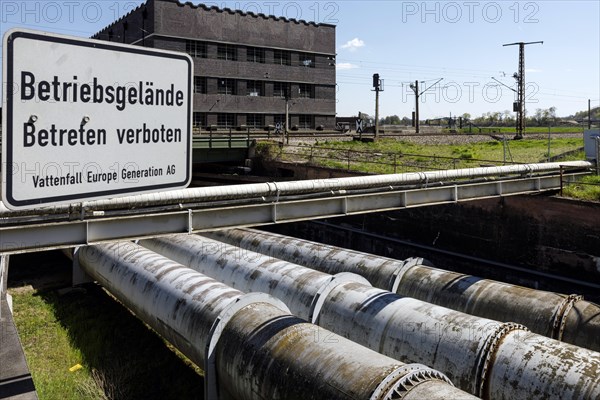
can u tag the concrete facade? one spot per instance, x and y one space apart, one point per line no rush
244 63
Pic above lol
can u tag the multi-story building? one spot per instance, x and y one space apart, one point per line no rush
246 65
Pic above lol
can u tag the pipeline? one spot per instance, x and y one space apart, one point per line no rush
567 318
262 191
250 346
489 359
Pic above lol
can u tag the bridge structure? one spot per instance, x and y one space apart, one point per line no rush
212 208
209 148
95 229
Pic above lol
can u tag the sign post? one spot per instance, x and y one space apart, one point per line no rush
87 119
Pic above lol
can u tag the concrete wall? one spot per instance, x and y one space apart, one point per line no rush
300 171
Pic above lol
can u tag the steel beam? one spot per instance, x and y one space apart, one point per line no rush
54 235
276 190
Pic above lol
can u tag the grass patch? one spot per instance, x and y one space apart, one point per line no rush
121 358
528 130
588 188
380 157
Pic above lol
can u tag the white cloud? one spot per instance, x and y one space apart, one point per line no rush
532 70
354 44
342 66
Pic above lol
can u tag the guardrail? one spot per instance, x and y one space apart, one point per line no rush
217 141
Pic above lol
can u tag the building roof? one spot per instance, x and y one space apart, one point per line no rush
217 9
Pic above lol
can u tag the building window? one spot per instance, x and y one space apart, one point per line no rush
226 52
254 54
225 120
306 122
199 84
282 57
307 60
255 120
195 48
226 86
280 89
199 119
254 88
306 91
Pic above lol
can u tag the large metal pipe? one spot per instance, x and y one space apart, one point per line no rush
277 189
259 350
567 318
483 357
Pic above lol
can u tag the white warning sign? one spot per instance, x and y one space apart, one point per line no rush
87 119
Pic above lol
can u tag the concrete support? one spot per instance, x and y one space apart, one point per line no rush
4 260
258 350
567 318
15 378
464 347
79 277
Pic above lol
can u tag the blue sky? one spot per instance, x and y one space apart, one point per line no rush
404 41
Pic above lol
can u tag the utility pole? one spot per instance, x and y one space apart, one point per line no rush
378 87
287 94
519 105
416 90
589 114
418 94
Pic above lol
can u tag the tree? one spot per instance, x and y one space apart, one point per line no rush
508 118
392 120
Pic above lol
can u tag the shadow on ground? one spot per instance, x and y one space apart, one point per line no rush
127 359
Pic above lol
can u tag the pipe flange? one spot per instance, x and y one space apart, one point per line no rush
327 287
396 385
489 348
559 319
210 372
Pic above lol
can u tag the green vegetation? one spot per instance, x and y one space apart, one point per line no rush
121 358
529 130
390 155
588 188
523 151
49 353
537 120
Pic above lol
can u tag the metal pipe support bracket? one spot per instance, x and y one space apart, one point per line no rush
327 287
210 368
403 269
